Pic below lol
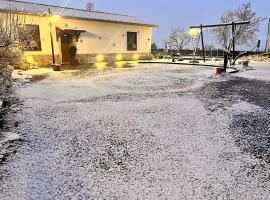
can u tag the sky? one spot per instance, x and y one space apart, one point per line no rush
172 13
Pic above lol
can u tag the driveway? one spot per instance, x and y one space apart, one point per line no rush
150 132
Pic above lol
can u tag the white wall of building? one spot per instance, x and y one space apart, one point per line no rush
99 38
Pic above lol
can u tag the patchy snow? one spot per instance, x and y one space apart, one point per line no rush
245 107
6 141
137 133
257 70
10 137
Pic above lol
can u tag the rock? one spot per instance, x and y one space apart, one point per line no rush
16 124
28 77
5 103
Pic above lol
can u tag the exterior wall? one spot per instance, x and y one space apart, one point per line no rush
43 57
101 39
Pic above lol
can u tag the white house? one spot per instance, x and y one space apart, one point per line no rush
98 36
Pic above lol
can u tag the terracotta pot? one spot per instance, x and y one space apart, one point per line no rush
57 67
76 62
245 63
220 70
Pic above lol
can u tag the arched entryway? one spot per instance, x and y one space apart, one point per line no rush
68 37
66 42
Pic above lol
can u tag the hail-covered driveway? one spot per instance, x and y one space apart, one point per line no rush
150 132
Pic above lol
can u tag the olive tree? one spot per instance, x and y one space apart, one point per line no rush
245 35
154 47
13 39
179 38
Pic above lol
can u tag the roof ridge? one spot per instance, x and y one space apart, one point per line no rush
43 4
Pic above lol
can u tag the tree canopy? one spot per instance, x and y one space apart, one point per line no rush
245 35
179 38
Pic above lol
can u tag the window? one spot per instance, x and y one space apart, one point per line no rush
32 37
131 41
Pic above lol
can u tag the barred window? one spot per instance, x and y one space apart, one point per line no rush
32 37
131 41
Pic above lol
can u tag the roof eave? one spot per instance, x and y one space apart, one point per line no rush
81 18
111 21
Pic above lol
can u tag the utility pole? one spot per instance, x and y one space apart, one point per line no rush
268 38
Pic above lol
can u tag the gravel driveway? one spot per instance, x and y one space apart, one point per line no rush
150 132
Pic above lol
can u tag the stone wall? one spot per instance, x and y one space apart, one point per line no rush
45 60
42 60
93 58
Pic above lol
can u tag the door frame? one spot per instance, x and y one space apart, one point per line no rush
72 42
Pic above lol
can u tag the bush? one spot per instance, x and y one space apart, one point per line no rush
5 77
5 87
72 51
258 58
14 38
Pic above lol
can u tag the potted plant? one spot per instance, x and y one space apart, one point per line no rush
56 67
72 52
245 63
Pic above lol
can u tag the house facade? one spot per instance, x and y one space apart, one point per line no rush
97 36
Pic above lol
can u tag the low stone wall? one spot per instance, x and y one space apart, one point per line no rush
93 58
45 60
42 60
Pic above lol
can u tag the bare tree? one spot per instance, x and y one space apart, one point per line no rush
13 39
209 47
178 39
245 35
154 47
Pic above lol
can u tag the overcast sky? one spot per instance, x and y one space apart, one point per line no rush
171 13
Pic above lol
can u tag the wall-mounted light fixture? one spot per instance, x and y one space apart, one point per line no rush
135 57
119 57
100 58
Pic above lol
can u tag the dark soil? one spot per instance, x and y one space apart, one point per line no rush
251 130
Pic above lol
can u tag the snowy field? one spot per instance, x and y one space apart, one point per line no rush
150 132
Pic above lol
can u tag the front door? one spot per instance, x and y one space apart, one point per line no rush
66 42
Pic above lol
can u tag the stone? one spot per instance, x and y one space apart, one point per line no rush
5 104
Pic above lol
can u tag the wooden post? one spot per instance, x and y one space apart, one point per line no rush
225 61
203 50
233 39
233 24
51 35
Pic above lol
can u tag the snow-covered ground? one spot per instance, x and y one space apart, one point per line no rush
150 132
258 70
